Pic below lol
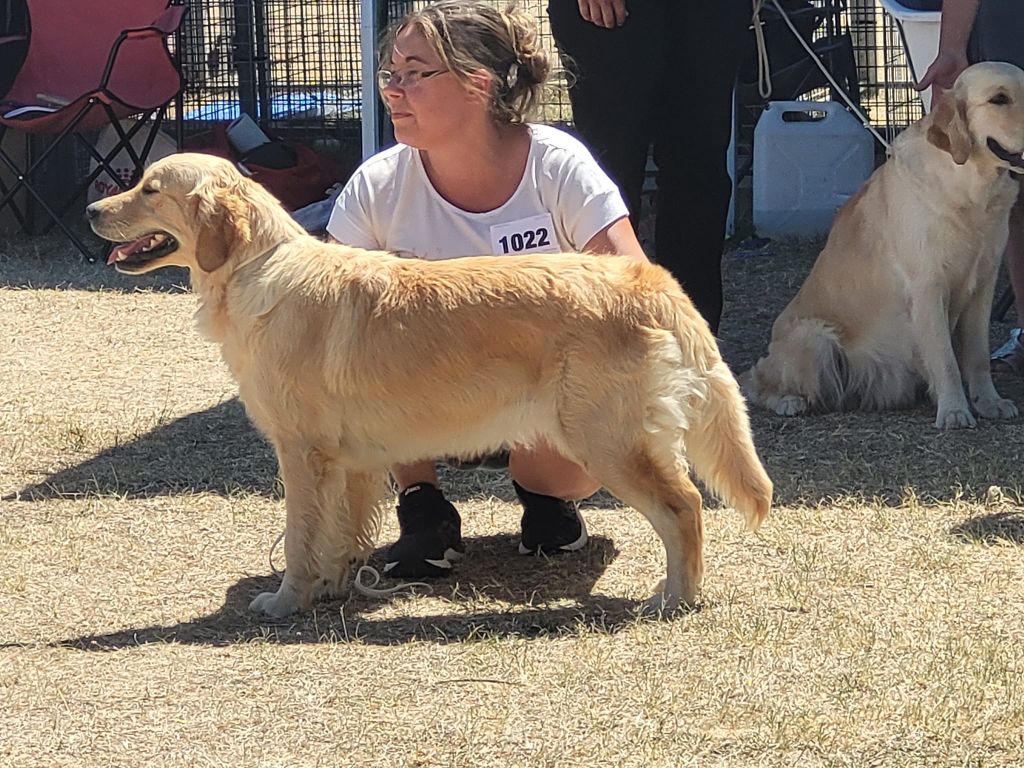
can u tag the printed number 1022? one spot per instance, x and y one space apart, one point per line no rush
524 241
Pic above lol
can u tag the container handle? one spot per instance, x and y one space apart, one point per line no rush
809 115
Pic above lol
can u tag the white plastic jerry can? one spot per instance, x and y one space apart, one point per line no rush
809 158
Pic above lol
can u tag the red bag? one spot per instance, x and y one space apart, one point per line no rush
304 179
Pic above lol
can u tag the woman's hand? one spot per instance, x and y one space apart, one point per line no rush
954 33
604 13
943 72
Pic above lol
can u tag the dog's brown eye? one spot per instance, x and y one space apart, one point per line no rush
1000 99
149 191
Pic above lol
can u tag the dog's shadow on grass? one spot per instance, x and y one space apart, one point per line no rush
995 528
531 594
216 450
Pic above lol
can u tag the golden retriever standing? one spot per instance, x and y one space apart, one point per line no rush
902 292
351 361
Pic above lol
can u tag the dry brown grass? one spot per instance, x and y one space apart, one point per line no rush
878 618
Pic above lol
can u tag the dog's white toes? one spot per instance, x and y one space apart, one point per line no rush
955 418
274 604
791 405
1000 408
657 606
660 605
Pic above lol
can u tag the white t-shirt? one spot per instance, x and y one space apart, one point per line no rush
562 201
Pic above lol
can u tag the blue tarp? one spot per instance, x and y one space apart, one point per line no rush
300 104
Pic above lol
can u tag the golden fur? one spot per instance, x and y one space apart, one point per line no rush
351 361
901 294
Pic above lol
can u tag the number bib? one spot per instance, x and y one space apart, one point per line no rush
533 235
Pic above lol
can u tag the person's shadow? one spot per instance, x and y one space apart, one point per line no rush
539 597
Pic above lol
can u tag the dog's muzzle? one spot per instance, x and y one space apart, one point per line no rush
1015 162
137 253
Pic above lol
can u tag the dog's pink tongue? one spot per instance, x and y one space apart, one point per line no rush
124 250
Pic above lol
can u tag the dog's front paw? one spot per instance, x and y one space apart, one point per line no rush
275 604
791 405
329 588
955 418
996 408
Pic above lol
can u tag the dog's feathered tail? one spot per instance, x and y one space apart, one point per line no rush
720 448
716 430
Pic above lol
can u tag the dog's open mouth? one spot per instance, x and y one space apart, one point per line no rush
1016 162
143 250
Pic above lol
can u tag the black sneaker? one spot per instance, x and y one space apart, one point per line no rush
431 534
550 525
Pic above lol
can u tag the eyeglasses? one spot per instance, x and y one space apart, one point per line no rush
408 79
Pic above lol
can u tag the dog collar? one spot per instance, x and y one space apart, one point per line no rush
1016 162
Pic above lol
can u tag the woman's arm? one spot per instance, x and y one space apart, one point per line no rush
955 31
617 238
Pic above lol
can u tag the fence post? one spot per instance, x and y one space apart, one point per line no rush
368 47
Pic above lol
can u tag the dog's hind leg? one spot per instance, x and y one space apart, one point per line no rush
670 501
646 471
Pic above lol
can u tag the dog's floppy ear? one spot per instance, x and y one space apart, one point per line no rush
222 222
948 130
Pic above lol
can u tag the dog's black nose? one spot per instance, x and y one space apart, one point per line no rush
91 211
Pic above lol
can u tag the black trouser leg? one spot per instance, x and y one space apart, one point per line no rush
666 76
613 96
691 145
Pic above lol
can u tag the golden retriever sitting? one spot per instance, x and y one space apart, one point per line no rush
901 294
351 361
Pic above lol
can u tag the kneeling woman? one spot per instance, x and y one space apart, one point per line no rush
470 176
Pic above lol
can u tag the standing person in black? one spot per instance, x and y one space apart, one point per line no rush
662 72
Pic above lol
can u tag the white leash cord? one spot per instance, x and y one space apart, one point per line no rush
364 589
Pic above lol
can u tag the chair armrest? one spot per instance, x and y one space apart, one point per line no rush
166 24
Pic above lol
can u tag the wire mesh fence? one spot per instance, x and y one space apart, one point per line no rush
886 85
295 65
292 66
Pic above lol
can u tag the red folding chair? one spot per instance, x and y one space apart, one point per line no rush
88 64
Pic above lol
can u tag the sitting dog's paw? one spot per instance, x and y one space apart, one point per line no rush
275 604
955 418
791 405
997 408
